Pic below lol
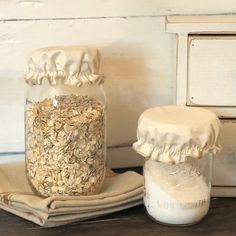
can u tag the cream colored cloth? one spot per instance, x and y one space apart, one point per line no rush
172 133
120 191
72 65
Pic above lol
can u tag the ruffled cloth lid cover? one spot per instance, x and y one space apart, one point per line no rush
72 65
172 133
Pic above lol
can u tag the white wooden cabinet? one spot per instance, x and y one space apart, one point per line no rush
206 77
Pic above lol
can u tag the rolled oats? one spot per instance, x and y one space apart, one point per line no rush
65 145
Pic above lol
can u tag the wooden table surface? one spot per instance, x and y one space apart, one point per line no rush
221 221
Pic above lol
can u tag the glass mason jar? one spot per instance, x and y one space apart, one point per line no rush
65 131
178 194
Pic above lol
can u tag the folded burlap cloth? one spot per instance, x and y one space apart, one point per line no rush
120 191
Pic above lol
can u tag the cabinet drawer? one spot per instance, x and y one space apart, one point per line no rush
212 71
224 173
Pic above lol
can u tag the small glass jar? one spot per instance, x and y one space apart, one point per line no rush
65 135
178 144
178 194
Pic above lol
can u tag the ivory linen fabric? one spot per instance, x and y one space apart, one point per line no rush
172 133
71 65
120 191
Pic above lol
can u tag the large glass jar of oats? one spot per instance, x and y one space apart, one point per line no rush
65 122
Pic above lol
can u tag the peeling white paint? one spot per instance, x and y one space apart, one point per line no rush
9 41
31 3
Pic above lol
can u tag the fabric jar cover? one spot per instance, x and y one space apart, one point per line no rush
172 133
72 65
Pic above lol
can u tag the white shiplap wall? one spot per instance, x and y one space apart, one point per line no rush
47 9
134 60
138 58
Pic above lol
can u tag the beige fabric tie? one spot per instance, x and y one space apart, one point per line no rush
120 191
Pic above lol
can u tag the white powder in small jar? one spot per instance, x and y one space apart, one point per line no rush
175 194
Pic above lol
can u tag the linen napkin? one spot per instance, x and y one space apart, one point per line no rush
120 191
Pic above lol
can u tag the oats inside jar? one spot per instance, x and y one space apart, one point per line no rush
65 145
